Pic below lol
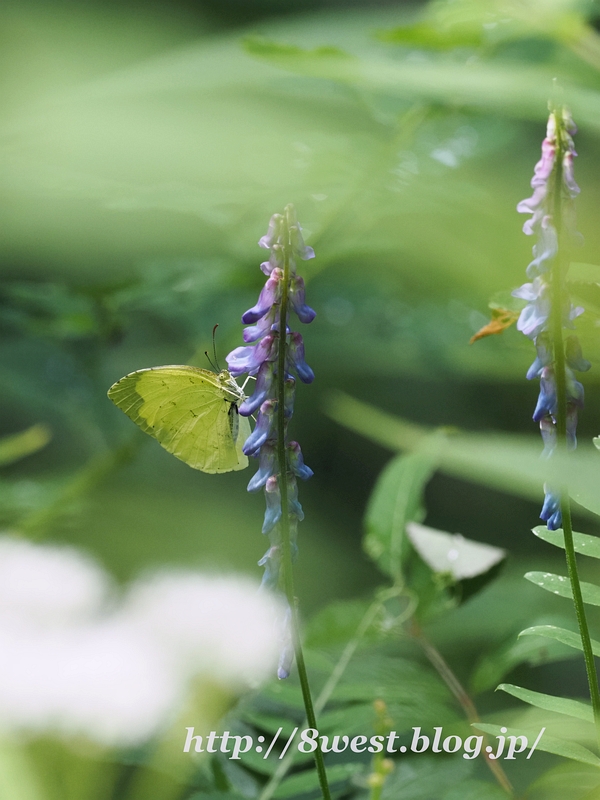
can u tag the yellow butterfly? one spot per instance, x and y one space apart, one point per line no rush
191 412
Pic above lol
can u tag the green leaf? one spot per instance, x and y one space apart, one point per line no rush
19 445
475 790
425 777
493 666
280 51
548 744
308 781
452 553
215 796
560 705
426 35
268 722
518 89
375 674
560 585
395 501
505 462
570 780
337 623
584 544
560 635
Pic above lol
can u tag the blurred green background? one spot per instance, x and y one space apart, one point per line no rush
144 149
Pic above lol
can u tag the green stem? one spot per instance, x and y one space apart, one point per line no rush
556 322
326 692
447 675
287 568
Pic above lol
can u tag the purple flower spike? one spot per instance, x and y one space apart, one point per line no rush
572 412
550 512
568 176
267 298
262 389
274 232
271 561
249 359
273 498
294 507
534 317
275 260
297 299
574 355
296 359
296 462
546 403
267 465
543 359
262 429
289 395
548 431
274 339
298 246
262 327
575 392
544 250
553 183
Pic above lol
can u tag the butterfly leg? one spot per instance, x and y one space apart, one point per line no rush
250 377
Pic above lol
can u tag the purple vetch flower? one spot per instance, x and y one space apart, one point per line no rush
262 389
543 358
550 512
263 430
273 498
267 467
275 259
558 152
272 236
295 359
534 317
266 299
266 335
296 462
250 359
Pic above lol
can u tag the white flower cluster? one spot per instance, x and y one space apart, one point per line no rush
76 661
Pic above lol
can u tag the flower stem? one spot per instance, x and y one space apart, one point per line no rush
326 692
558 272
447 675
287 568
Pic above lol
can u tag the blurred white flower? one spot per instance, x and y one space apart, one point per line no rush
75 663
221 626
50 584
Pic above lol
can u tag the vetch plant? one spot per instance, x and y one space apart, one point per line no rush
273 355
549 309
202 419
543 319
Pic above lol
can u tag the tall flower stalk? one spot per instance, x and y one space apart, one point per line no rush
274 356
548 312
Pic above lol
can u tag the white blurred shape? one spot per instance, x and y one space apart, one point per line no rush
217 625
50 584
73 665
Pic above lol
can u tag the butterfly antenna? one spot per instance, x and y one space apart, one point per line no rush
210 362
215 347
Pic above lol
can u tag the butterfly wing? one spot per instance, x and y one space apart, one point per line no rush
190 411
